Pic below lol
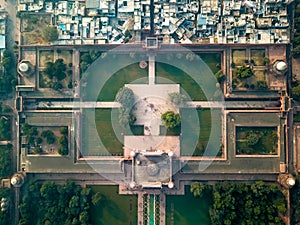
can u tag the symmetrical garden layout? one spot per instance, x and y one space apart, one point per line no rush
224 128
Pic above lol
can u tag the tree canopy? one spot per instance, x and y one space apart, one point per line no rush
56 70
296 92
126 98
170 119
244 72
5 161
49 203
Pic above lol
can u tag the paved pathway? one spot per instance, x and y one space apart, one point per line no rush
199 104
151 70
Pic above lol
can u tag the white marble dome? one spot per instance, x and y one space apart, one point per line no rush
23 67
291 181
171 185
14 181
281 66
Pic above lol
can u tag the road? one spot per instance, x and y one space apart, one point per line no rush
12 35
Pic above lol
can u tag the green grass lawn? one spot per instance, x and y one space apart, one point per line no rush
213 60
188 210
266 145
67 56
115 209
127 75
103 120
239 56
177 76
257 55
204 116
106 131
133 73
45 56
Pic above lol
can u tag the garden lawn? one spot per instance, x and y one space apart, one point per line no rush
188 210
114 209
213 60
106 132
127 75
204 116
266 145
45 56
258 55
239 56
177 76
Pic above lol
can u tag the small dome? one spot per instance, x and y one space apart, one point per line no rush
281 66
23 67
170 185
291 181
132 184
14 181
132 153
170 153
3 205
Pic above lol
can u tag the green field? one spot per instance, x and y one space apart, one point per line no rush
188 210
134 74
238 57
258 55
127 75
114 209
106 131
264 143
177 76
204 116
213 60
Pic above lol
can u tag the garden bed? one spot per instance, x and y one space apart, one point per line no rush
256 141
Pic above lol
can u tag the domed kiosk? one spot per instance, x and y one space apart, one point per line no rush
280 67
25 68
17 180
286 180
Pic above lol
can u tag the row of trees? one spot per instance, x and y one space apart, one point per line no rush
295 202
49 203
87 58
126 98
296 42
5 127
7 76
5 161
63 149
5 215
239 203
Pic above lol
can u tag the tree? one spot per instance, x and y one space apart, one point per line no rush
63 130
261 84
50 33
197 189
177 99
220 76
126 98
296 93
266 61
252 138
244 72
56 70
49 135
170 119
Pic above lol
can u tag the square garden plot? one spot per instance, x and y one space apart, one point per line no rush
256 140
